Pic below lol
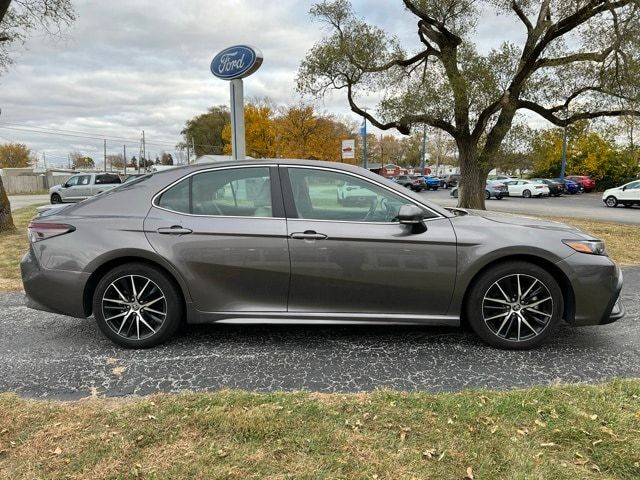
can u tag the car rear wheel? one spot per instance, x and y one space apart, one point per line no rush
611 202
515 305
55 198
526 193
137 306
455 194
487 194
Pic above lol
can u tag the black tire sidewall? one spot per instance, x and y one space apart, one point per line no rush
473 305
169 289
56 196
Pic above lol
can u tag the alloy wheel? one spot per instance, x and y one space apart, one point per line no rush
134 307
611 201
517 307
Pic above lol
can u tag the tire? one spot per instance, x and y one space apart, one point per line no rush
161 290
455 194
484 311
435 189
56 198
526 193
499 197
487 195
611 201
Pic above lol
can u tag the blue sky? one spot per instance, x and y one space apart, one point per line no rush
125 66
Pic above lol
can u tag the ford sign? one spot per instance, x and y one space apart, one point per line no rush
236 62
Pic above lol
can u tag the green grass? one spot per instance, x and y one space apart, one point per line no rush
13 245
566 432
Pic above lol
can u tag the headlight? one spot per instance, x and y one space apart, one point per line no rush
592 247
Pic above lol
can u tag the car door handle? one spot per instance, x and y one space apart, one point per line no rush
174 230
308 235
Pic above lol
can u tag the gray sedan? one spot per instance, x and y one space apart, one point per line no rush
268 241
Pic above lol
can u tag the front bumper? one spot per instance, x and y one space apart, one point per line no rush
596 282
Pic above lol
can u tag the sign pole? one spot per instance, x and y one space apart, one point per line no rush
237 119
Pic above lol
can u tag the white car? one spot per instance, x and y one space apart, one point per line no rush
526 189
627 195
82 186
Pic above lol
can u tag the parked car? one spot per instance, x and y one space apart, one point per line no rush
82 186
450 181
526 188
413 182
493 189
504 178
353 194
627 195
587 184
555 188
249 241
570 186
432 182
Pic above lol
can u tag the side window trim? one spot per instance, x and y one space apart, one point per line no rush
278 205
289 203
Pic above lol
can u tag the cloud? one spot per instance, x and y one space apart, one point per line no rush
125 66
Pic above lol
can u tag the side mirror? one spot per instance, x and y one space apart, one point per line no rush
65 185
410 215
624 188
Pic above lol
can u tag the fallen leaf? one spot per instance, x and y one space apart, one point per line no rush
469 475
450 421
441 456
151 417
57 451
540 423
596 442
118 371
608 431
593 417
494 430
548 444
521 432
429 453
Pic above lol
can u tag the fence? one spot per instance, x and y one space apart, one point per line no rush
31 183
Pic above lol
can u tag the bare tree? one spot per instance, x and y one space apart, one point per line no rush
577 61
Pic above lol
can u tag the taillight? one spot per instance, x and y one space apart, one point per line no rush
39 231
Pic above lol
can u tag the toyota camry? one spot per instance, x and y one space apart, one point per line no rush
269 241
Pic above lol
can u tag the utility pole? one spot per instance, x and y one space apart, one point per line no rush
144 151
69 158
564 154
124 152
365 162
423 157
193 146
44 160
105 155
188 152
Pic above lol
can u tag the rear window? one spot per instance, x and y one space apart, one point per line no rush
107 178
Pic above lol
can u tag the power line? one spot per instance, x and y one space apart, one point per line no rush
79 134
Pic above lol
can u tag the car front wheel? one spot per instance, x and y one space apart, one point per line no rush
137 306
611 202
526 194
55 198
515 305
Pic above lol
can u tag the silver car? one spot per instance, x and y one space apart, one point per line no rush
268 241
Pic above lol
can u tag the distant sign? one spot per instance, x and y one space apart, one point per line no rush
236 62
348 149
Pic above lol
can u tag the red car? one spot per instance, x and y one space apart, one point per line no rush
588 184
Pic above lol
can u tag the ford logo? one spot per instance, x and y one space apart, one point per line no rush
236 62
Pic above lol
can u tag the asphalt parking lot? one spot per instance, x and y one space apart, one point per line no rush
51 356
582 205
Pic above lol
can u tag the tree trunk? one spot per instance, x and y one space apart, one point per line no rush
471 186
6 220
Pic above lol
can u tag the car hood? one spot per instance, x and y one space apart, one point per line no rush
522 221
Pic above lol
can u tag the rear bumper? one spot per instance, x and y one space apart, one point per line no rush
55 291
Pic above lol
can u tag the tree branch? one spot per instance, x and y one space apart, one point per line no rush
445 33
403 125
549 113
576 57
521 15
